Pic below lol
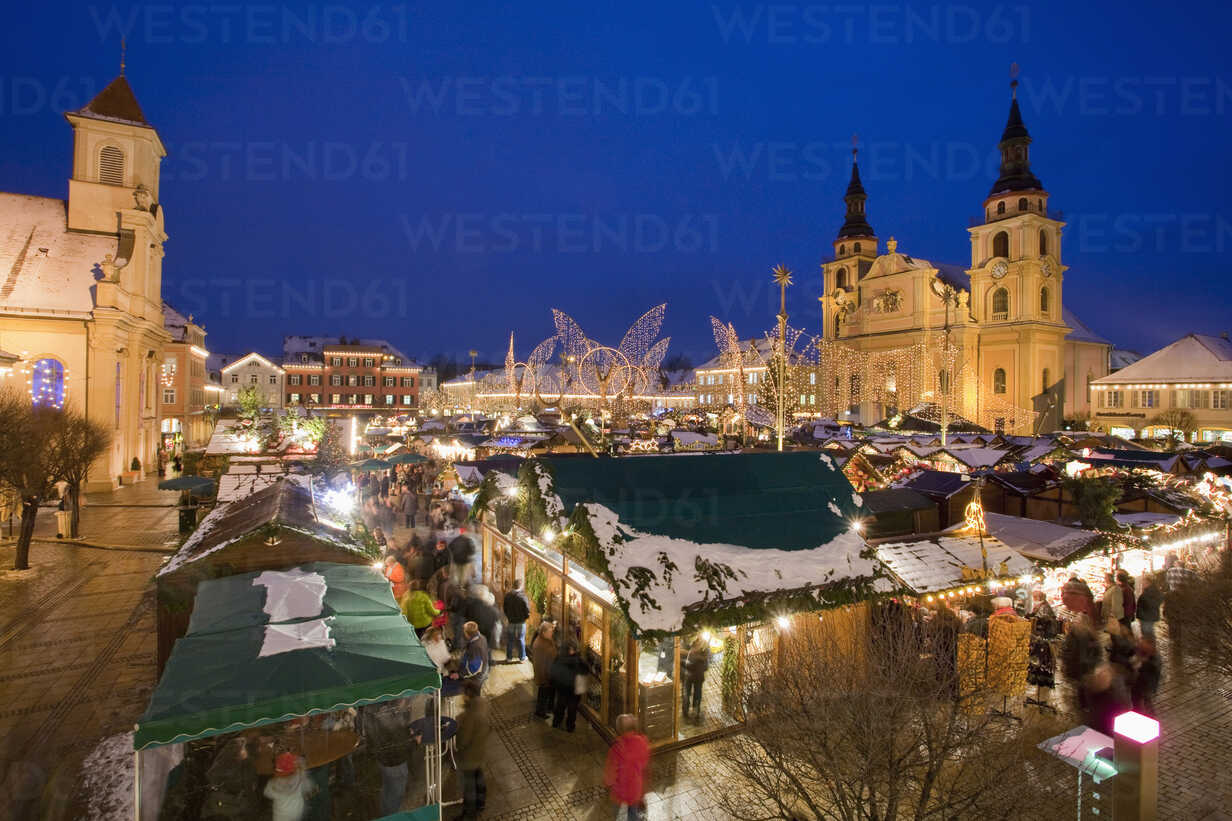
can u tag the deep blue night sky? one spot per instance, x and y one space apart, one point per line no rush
440 175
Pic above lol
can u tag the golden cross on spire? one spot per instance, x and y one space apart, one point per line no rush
123 48
1014 72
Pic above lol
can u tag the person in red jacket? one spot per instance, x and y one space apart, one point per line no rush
625 773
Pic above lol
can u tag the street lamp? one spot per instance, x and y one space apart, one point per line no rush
949 296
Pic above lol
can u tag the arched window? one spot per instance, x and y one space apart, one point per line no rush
1001 244
1000 304
1046 378
840 278
1041 205
47 384
1001 207
998 380
1044 301
1022 204
111 165
856 247
1043 242
842 249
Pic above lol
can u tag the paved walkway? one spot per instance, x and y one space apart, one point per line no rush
136 517
77 665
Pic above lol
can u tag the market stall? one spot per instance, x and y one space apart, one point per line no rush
275 528
674 574
277 662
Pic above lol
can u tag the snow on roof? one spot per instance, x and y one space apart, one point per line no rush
227 440
45 267
1146 520
1192 358
176 323
927 565
977 457
1037 539
755 570
1079 331
1121 358
294 345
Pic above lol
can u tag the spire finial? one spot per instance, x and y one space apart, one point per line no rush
855 146
123 48
1014 71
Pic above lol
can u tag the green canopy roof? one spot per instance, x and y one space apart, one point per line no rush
784 501
431 812
217 682
234 602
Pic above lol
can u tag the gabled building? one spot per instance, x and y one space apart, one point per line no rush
81 292
252 370
1193 375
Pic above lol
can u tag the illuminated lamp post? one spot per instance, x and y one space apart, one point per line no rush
782 278
1135 789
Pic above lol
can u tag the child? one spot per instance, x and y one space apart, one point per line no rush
288 789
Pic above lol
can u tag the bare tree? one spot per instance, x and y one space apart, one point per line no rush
78 442
1199 613
27 435
855 724
1180 424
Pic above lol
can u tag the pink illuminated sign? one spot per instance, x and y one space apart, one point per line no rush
1136 726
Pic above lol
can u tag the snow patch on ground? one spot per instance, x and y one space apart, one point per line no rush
107 779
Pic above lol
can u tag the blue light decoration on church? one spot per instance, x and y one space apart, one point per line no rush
47 384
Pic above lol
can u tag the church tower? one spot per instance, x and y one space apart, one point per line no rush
114 188
1016 277
855 249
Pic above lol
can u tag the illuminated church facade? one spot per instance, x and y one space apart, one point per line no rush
1020 360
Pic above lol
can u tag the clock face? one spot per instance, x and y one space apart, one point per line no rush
1046 267
999 270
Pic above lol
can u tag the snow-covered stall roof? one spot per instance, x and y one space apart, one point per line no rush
676 537
932 563
1193 358
1037 539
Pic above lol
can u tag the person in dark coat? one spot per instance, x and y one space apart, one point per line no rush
474 730
1146 678
474 663
565 671
1103 696
478 607
1150 600
517 611
694 666
1041 666
231 785
542 654
462 559
1128 601
386 732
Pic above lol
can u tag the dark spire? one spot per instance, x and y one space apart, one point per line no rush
115 102
856 224
1015 155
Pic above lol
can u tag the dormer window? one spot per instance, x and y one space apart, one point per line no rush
111 165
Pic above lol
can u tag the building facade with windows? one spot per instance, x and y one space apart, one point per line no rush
81 304
182 383
1187 384
253 370
356 374
1016 348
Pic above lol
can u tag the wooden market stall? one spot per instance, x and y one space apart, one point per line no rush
644 560
272 529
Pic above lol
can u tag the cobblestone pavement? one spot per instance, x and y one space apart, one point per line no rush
139 516
77 665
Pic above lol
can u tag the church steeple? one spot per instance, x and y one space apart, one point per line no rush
1015 151
856 223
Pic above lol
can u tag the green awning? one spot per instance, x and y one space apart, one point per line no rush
431 812
784 501
235 602
217 682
